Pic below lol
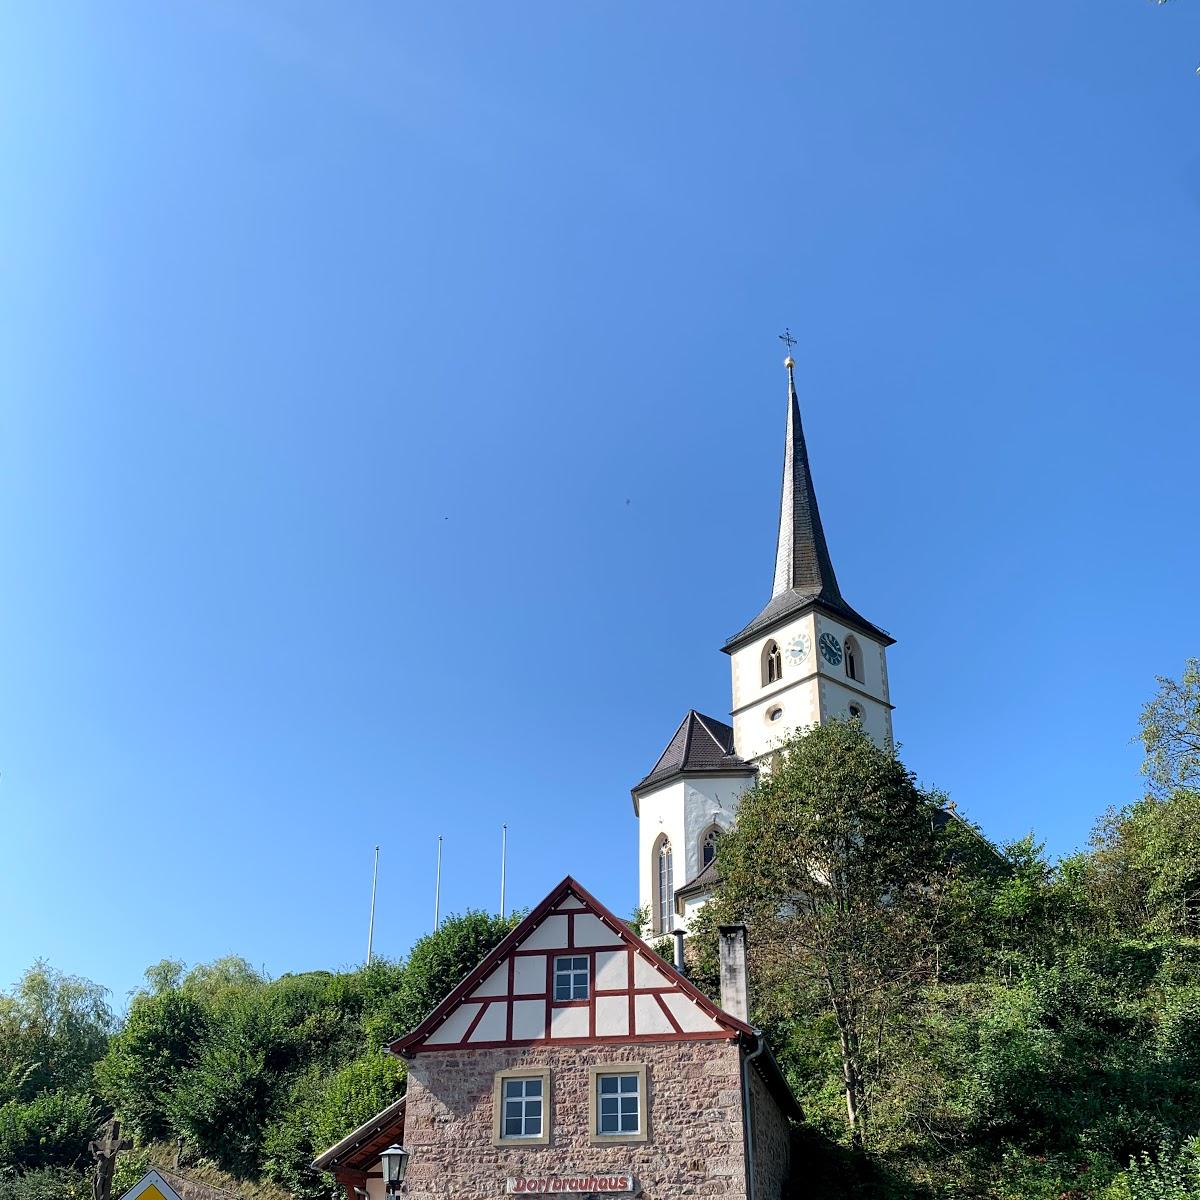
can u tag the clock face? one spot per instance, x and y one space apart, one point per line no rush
831 649
799 647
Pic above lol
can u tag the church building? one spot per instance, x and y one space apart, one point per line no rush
806 658
575 1060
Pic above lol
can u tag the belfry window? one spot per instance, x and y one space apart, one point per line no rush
853 660
708 845
772 665
664 891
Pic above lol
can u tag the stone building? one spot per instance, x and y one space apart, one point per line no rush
807 657
574 1059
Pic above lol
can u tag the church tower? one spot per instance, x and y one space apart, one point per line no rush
808 657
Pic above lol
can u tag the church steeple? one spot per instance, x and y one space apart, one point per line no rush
802 562
804 573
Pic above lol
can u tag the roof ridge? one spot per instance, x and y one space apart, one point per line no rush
709 730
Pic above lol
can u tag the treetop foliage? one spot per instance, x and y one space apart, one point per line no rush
957 1018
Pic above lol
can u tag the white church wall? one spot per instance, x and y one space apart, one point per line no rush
662 811
839 691
683 810
707 802
795 693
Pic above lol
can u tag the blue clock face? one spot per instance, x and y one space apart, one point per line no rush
831 649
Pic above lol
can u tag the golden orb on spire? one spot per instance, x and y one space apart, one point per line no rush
789 362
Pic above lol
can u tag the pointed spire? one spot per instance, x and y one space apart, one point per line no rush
804 572
802 561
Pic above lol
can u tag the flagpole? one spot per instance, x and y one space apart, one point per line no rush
371 926
503 857
437 889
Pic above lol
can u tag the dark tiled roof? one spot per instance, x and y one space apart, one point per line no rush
701 745
706 881
804 572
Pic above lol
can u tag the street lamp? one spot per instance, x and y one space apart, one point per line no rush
395 1165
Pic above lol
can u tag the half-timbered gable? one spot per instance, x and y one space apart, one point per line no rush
570 973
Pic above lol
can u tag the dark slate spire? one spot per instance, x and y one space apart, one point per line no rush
804 572
802 562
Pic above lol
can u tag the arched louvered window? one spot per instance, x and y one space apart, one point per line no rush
854 663
708 845
772 663
664 885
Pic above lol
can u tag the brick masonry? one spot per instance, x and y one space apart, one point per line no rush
695 1139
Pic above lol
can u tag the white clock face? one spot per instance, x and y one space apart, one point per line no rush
798 647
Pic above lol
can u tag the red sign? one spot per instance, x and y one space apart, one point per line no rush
572 1184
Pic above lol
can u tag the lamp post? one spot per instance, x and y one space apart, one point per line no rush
395 1166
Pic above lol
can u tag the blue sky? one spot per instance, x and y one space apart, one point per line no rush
391 415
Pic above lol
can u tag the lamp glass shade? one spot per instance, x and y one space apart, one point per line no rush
395 1163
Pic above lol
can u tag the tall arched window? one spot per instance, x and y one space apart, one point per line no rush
853 660
772 663
708 845
664 885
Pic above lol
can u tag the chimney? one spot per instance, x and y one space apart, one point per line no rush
680 961
734 995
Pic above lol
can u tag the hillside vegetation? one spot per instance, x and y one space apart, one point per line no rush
957 1019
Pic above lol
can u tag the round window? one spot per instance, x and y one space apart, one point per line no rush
774 714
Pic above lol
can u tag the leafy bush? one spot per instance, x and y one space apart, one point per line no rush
51 1130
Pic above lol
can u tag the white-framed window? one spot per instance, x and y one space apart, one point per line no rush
571 977
522 1103
618 1102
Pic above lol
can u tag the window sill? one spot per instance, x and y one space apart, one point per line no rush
618 1139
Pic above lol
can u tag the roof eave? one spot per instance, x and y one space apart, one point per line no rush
650 784
846 616
328 1159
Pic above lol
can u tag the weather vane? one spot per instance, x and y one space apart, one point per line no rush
786 338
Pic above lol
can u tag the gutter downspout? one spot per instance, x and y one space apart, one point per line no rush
747 1119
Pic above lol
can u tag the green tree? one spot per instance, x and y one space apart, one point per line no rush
1146 865
53 1028
50 1130
435 965
834 864
162 1040
1170 732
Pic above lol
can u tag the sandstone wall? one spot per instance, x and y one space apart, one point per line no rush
771 1137
694 1145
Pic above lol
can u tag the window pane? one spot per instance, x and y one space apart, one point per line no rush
512 1127
629 1083
533 1087
608 1084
